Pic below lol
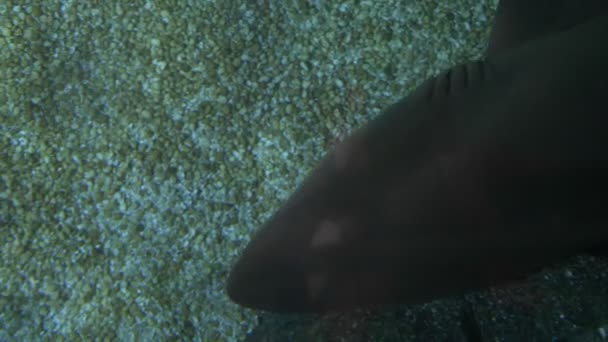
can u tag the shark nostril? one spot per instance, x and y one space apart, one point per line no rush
328 233
315 283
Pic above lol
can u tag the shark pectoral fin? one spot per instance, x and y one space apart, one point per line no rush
518 21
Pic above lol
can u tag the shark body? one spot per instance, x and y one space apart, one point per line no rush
484 174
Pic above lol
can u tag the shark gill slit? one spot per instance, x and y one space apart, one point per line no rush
465 76
431 86
481 66
448 81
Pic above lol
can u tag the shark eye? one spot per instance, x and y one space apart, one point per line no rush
351 153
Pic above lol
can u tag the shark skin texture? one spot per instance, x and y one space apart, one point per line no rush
483 175
520 20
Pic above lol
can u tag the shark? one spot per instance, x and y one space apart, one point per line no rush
486 173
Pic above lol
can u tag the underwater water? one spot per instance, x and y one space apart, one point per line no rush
142 144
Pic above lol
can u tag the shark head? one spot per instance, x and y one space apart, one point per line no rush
474 179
